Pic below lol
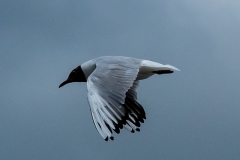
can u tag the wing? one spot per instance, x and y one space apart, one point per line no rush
135 112
111 95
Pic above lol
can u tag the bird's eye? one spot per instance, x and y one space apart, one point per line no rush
72 73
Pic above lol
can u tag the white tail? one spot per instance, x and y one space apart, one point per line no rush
148 68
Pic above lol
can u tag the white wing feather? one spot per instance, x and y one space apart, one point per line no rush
107 87
112 93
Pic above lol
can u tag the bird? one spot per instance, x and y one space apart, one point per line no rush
111 84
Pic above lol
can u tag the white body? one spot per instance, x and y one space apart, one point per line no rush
145 69
111 84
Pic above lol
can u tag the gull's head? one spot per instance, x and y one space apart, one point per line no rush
76 75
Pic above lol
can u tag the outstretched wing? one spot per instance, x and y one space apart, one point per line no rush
111 95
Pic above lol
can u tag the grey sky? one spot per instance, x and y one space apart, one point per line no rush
192 114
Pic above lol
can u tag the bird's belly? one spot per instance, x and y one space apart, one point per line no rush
142 76
145 72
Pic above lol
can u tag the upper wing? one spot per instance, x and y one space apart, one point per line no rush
107 88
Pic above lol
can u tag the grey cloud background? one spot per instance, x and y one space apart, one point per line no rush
192 114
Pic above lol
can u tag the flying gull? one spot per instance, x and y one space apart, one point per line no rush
111 84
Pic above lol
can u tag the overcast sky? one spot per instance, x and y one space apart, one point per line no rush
191 115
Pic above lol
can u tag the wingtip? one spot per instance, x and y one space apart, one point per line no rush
106 139
117 130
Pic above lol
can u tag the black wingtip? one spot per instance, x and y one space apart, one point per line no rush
112 138
106 139
138 129
163 71
117 130
141 120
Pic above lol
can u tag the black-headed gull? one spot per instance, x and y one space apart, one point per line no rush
111 84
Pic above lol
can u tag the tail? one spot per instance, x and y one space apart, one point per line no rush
158 68
149 68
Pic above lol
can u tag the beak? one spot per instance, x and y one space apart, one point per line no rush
63 83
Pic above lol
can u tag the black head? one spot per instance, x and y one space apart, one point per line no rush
76 75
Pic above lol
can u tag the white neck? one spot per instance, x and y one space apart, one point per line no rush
88 67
